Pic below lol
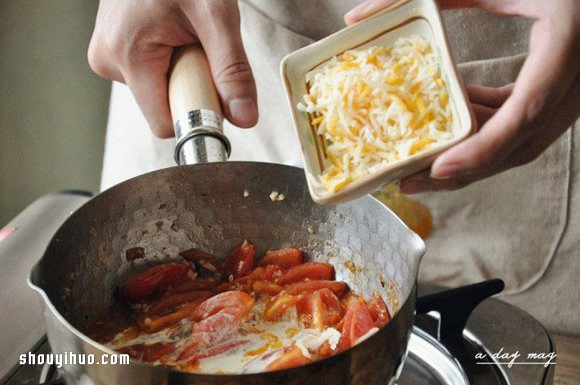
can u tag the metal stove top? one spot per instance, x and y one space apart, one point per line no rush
494 326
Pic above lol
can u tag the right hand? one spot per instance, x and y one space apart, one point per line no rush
133 42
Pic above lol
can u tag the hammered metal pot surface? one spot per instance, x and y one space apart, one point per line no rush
205 206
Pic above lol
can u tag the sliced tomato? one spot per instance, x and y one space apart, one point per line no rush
307 270
290 358
193 285
337 287
285 258
236 303
378 310
152 280
333 306
356 323
320 309
272 273
154 323
257 273
266 288
241 284
325 350
173 300
240 261
277 306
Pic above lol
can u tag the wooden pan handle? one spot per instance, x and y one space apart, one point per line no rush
195 109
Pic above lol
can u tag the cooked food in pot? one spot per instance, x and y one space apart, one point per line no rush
373 107
240 315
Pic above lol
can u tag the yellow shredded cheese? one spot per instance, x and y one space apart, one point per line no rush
375 106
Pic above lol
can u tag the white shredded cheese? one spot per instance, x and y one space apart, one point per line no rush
375 106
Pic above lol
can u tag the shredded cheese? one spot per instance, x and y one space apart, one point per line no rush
376 106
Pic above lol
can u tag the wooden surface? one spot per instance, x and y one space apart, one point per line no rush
568 360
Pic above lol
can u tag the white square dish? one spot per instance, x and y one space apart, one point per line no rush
405 18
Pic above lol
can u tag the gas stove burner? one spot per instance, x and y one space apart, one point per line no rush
430 363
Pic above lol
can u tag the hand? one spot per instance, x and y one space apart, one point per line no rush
133 42
518 122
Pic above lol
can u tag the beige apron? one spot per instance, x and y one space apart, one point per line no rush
522 226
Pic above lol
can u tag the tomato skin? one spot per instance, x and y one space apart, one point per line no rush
378 310
286 257
337 287
236 303
307 270
240 261
291 358
356 323
152 280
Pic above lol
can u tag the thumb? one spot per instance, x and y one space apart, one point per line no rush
220 37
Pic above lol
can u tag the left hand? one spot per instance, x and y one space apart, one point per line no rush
519 121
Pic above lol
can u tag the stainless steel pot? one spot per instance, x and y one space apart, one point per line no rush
204 206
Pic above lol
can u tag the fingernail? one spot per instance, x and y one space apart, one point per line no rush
359 10
446 171
243 111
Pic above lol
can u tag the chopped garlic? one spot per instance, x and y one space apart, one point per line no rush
376 106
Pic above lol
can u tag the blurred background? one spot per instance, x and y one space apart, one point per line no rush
53 108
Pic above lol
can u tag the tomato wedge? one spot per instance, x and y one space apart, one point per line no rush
236 303
240 284
378 310
337 287
356 323
290 358
272 273
319 309
240 261
285 258
152 280
266 288
277 306
307 270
